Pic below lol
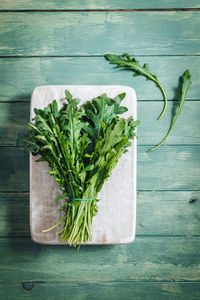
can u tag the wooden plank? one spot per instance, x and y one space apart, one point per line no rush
15 116
167 168
66 33
14 214
104 290
14 171
168 213
21 75
88 4
147 259
151 131
158 213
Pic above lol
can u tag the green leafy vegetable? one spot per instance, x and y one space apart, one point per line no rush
126 62
186 83
82 146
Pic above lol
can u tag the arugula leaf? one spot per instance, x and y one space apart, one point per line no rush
82 146
186 83
126 62
101 109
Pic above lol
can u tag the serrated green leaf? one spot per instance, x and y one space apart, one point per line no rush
114 59
125 62
185 85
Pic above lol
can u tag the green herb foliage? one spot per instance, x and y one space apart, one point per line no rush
186 83
126 62
82 146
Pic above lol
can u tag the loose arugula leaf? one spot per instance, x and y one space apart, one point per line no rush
82 146
126 62
186 83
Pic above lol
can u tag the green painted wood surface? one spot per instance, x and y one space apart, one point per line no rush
14 214
154 169
114 290
32 72
14 172
170 168
178 215
147 259
88 4
66 33
163 262
168 213
15 116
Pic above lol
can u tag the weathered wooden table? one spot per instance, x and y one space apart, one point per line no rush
63 42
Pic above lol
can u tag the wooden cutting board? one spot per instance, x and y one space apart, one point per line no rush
116 220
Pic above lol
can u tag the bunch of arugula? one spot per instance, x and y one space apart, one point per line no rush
82 146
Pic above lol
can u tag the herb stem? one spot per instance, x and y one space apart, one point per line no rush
186 83
54 226
134 67
167 133
165 99
64 156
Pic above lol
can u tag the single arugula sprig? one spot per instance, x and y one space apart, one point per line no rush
82 146
126 62
186 83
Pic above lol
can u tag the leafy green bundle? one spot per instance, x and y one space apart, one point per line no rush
82 146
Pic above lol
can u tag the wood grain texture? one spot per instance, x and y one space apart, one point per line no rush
156 265
14 171
151 131
158 213
108 290
168 213
66 33
103 4
148 258
14 118
154 169
22 75
169 168
14 214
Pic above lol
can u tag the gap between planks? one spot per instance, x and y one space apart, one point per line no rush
97 56
100 10
143 145
97 281
140 100
143 191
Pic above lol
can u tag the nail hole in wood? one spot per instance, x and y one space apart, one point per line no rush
27 285
193 200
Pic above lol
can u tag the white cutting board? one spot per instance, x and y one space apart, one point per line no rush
116 220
